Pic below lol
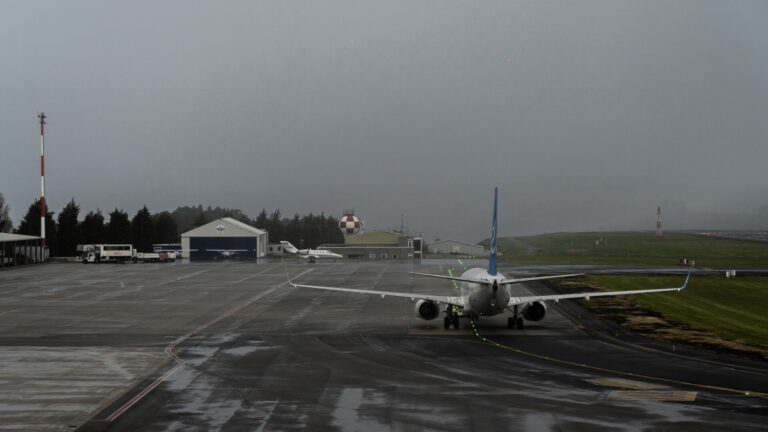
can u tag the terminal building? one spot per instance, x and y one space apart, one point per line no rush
455 247
224 238
378 245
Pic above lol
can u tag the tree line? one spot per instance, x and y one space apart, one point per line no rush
64 233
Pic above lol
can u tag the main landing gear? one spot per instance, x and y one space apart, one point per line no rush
451 319
515 321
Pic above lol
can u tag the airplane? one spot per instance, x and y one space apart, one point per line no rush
227 253
309 254
486 292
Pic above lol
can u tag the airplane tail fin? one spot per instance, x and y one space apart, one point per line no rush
288 247
492 259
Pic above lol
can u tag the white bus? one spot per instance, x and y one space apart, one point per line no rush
107 253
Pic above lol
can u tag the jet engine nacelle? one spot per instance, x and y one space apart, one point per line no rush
427 309
535 312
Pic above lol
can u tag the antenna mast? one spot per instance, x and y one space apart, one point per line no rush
658 223
41 116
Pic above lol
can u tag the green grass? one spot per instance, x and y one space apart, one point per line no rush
636 248
733 309
505 246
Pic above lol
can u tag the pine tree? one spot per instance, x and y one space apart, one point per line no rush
92 228
5 221
118 230
30 225
142 230
166 230
69 229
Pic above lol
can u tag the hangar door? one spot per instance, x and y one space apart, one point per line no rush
209 248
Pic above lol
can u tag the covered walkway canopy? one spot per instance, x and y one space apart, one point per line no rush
17 249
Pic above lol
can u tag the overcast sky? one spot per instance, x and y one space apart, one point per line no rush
587 115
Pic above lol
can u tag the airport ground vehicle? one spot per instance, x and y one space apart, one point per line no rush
106 253
153 256
173 249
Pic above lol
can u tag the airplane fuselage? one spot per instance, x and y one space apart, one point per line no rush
317 253
484 298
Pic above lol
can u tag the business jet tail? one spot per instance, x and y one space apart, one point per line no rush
288 247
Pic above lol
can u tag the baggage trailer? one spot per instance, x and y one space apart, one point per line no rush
153 256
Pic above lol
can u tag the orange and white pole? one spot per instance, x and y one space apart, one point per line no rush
42 177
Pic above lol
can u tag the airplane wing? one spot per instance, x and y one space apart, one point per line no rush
557 297
452 300
505 282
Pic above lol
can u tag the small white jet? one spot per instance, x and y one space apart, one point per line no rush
309 254
486 292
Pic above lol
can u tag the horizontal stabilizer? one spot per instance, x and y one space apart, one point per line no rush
447 277
518 280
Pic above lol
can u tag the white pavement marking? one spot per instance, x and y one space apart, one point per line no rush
42 387
250 277
179 362
189 275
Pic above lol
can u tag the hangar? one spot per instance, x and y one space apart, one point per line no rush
16 249
224 238
378 245
456 247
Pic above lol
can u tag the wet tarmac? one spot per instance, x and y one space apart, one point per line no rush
230 346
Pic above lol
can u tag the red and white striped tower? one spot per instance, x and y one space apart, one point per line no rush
42 177
658 223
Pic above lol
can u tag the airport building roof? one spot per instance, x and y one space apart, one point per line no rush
224 227
449 246
375 238
8 237
448 241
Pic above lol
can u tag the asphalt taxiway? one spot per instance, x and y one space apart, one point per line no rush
231 346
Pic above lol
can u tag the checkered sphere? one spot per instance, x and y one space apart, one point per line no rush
349 224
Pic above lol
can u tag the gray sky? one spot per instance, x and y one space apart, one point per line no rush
585 114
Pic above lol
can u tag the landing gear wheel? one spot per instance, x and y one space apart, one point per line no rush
520 323
455 320
446 323
510 323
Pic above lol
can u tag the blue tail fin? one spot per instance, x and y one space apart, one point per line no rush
492 259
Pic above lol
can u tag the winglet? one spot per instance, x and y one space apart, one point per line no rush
686 278
492 259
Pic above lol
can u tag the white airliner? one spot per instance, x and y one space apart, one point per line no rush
487 292
309 254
